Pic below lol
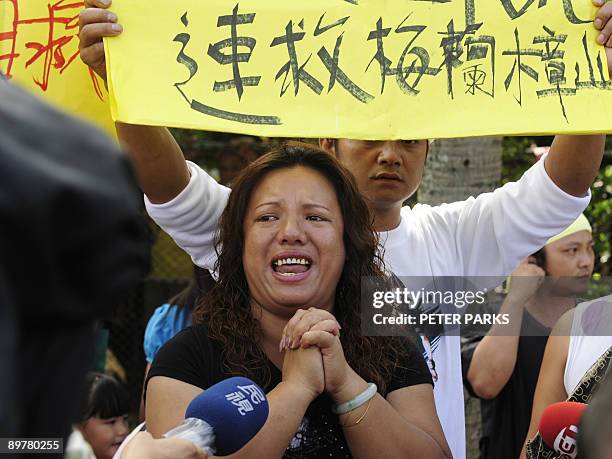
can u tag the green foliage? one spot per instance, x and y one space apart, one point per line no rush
204 147
599 214
517 158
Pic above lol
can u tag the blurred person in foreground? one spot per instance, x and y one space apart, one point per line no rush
72 241
595 430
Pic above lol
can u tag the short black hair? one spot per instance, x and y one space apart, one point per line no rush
105 397
540 258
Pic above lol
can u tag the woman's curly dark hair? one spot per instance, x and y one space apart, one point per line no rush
226 309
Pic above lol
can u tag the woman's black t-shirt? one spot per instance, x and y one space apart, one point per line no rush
192 357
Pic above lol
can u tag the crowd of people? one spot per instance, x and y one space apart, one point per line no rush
276 297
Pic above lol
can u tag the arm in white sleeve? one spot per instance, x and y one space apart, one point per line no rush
495 231
192 217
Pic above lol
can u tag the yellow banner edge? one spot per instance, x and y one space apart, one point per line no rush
109 83
252 132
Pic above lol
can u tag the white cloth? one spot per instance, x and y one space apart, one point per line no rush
139 428
77 447
191 218
585 346
483 236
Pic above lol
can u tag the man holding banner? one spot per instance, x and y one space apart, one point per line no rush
483 236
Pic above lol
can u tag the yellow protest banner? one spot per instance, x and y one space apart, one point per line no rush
39 50
361 68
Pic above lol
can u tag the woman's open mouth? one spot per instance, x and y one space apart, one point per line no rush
291 268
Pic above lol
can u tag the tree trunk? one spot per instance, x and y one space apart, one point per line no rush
455 170
459 168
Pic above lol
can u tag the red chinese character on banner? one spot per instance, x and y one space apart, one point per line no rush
59 47
52 49
11 36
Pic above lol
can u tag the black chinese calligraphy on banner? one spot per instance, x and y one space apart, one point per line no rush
361 68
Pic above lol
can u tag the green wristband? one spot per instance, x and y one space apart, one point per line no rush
356 402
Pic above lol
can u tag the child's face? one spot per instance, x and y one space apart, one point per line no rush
105 435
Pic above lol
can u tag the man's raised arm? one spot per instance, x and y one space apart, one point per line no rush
574 161
158 160
182 199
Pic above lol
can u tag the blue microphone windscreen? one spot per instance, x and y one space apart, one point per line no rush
236 408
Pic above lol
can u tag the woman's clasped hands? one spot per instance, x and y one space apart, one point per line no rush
318 331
